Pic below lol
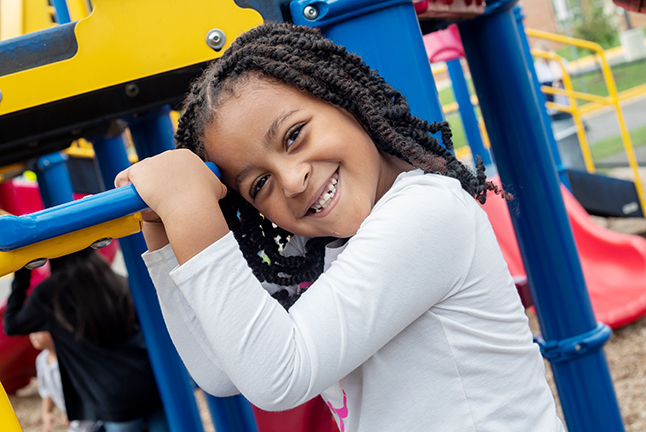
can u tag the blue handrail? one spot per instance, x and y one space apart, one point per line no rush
19 231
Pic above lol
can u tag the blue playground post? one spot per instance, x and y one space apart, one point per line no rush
468 115
572 339
152 134
172 379
54 180
387 36
547 121
62 12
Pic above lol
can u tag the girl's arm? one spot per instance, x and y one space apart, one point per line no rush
22 318
48 414
183 194
184 327
412 252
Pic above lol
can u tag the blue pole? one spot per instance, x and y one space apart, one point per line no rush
152 133
572 340
387 36
62 12
172 379
547 121
467 113
54 180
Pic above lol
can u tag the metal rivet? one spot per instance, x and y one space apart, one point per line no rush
577 347
132 90
216 39
0 95
101 243
311 12
36 263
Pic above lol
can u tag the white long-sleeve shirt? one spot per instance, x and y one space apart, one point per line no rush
416 325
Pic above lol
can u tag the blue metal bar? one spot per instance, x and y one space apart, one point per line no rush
54 184
152 133
547 121
231 414
18 231
172 378
62 12
387 36
521 149
467 113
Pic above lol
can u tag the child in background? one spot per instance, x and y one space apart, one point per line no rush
50 387
412 322
105 371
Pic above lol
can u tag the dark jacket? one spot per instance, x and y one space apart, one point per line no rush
100 382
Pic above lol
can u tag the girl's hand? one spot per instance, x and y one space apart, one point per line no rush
182 194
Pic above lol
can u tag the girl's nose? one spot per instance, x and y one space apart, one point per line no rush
295 179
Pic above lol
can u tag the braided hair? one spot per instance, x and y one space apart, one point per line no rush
301 57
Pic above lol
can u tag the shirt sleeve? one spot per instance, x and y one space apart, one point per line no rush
184 328
22 318
414 250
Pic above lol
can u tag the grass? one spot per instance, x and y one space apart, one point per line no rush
459 137
614 145
626 76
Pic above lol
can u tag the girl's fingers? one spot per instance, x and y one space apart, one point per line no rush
122 178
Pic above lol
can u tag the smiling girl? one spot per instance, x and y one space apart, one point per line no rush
412 322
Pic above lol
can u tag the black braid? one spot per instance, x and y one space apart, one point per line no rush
301 57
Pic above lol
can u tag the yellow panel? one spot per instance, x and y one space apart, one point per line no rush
66 244
11 16
78 9
37 15
8 420
126 40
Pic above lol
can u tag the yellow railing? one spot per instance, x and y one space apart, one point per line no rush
612 99
572 108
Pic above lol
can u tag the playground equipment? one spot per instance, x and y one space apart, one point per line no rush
614 265
600 195
91 64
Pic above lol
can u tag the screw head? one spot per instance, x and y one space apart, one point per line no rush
101 243
36 263
216 39
311 12
132 89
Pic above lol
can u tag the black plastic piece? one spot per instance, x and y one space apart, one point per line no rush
605 196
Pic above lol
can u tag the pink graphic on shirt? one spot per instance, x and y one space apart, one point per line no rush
341 412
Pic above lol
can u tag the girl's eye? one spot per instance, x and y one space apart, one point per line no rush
257 185
292 135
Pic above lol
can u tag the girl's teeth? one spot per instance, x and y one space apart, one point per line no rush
325 199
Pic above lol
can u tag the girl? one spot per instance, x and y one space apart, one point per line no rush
412 322
102 357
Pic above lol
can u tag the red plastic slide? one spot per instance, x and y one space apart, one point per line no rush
614 264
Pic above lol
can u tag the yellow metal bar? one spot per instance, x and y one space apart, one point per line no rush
66 244
573 109
604 100
612 92
79 9
8 420
142 34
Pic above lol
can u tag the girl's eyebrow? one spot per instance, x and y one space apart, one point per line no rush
275 125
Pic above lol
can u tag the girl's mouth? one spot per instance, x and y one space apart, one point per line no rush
326 197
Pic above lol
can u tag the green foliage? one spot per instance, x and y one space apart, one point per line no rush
593 25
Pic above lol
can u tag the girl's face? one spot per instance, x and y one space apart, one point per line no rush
305 164
41 340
